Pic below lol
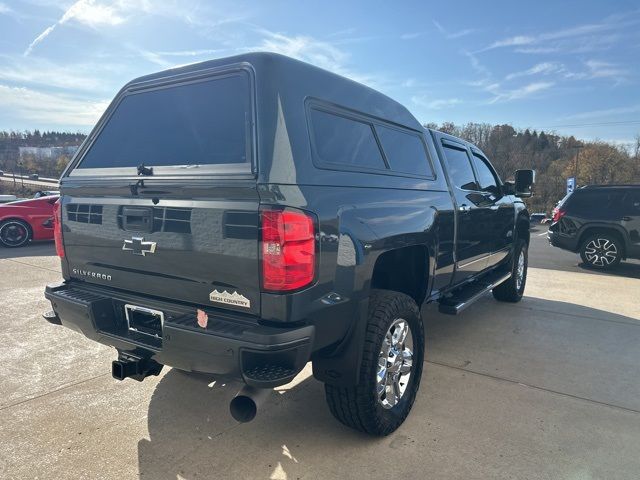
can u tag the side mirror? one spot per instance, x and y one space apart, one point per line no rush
523 182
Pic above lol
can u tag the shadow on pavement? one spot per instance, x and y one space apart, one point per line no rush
559 346
189 428
627 269
33 249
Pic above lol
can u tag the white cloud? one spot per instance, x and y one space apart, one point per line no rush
608 112
100 14
86 12
319 53
487 83
48 109
576 39
512 42
411 35
93 14
436 104
594 69
305 48
38 39
74 77
454 35
462 33
481 70
600 69
544 68
517 93
5 9
190 53
537 50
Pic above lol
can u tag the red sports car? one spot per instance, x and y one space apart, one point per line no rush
26 220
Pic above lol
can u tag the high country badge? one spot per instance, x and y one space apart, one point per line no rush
230 298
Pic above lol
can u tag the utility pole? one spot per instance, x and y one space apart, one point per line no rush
575 173
21 176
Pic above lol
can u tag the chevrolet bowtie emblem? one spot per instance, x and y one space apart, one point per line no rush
138 246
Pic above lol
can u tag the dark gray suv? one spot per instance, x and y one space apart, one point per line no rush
600 222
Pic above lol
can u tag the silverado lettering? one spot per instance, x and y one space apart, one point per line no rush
87 273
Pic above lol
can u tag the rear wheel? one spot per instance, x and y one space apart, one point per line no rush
390 371
14 233
601 251
513 289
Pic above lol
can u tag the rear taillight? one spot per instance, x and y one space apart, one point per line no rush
288 250
558 213
57 228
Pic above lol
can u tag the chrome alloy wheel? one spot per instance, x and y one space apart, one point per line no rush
601 252
394 363
520 270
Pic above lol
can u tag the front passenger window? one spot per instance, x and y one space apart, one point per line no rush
486 178
459 168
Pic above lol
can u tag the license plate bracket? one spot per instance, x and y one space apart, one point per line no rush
144 320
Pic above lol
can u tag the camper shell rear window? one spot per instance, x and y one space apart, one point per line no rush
194 126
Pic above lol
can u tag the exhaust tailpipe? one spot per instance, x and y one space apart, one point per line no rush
244 406
134 367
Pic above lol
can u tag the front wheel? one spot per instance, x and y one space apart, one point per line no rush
14 233
601 251
513 289
390 370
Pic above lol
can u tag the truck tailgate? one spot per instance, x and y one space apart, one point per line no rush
200 250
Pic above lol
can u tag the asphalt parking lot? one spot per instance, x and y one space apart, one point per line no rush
547 388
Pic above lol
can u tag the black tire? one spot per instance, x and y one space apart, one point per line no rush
601 251
14 233
513 289
360 407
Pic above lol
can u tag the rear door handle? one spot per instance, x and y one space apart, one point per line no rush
464 208
626 218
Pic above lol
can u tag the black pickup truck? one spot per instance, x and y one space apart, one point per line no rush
244 216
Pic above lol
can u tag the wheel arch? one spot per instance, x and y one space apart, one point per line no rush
340 365
523 226
406 270
603 229
19 219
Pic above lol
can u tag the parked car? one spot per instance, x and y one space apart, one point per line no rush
600 222
243 242
536 218
25 220
34 176
8 198
45 193
1 173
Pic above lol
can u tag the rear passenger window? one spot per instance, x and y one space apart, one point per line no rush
594 201
459 167
345 141
405 151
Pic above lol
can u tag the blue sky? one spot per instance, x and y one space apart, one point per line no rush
572 67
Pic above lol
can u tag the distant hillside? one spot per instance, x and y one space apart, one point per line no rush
552 156
31 161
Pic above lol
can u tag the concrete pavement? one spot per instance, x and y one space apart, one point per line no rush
547 388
